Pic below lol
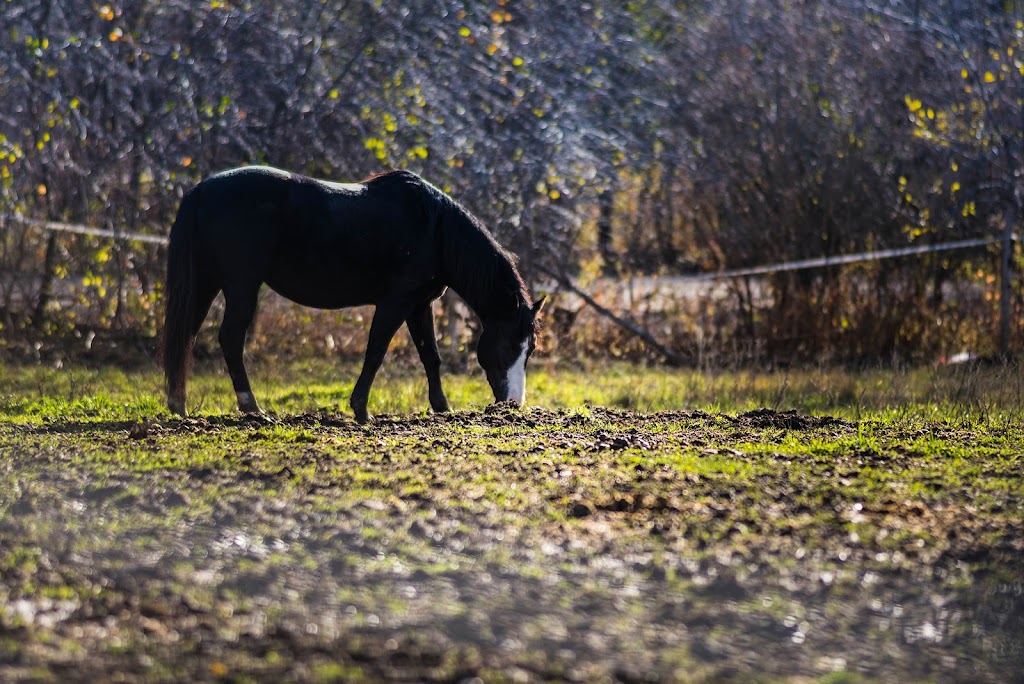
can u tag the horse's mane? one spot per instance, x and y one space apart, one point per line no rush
480 270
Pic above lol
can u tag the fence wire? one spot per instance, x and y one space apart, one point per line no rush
767 269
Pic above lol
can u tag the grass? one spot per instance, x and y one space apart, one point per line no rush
635 523
965 392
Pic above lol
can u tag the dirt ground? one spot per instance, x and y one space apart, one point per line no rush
590 545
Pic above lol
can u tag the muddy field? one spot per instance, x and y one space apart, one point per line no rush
581 545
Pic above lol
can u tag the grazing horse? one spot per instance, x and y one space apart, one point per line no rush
394 241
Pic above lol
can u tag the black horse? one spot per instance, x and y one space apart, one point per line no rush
394 241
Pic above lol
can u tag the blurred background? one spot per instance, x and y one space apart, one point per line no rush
619 148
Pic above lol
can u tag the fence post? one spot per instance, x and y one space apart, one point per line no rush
1005 285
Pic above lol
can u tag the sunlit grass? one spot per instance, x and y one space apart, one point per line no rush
969 393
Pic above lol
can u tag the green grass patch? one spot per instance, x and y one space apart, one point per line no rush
842 522
958 394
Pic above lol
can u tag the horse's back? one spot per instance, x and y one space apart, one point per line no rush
250 172
319 243
242 199
303 202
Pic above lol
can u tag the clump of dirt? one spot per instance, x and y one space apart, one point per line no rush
789 420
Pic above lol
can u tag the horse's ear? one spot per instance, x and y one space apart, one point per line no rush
538 305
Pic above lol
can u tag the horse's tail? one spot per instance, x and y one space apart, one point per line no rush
181 300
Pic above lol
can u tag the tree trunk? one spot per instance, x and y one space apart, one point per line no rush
46 286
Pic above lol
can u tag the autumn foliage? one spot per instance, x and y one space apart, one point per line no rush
600 141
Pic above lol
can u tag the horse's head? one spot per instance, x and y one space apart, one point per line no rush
504 348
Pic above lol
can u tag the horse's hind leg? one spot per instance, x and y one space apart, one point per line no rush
240 307
421 327
205 292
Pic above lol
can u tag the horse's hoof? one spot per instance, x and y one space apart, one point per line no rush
247 403
177 407
358 407
440 406
361 415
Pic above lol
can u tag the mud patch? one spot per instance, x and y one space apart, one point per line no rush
572 545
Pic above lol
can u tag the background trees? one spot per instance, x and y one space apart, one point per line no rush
651 137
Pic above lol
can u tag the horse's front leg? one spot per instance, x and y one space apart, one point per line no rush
421 327
386 321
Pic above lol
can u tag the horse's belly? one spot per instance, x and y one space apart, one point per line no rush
323 295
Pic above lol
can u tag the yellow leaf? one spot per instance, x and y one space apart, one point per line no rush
912 103
106 13
517 61
115 35
963 72
955 186
334 94
464 32
41 190
554 194
990 77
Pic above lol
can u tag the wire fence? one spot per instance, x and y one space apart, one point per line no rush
78 229
767 269
659 294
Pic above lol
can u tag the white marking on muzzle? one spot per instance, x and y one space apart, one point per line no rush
515 378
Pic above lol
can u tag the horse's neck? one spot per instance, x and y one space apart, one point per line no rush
486 297
482 275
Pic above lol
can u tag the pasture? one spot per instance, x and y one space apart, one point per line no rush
630 524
